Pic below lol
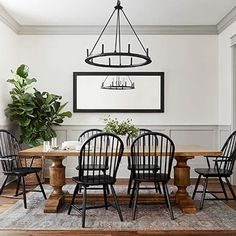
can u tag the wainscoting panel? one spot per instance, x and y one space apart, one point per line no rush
204 136
181 134
223 133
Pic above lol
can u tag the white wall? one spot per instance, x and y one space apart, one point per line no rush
8 59
225 75
189 63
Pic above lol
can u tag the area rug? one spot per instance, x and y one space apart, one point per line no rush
215 216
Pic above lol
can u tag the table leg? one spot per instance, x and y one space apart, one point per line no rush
57 180
182 181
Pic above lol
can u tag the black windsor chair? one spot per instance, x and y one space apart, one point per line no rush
11 165
102 149
152 156
222 168
88 133
129 141
82 138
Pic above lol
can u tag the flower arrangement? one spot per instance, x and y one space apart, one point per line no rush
120 128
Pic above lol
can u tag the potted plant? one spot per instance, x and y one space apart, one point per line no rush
122 128
35 112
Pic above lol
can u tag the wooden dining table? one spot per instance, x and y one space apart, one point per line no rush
57 179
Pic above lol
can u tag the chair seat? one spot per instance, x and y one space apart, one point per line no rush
151 177
24 171
94 167
213 172
94 180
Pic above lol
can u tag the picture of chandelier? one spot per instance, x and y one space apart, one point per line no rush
117 83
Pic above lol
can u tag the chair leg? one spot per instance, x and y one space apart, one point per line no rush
166 192
18 185
230 188
158 187
105 195
24 192
223 188
203 193
130 183
41 186
116 202
135 200
107 189
84 206
196 186
3 185
77 188
132 195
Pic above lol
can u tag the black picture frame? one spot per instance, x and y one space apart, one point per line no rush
159 75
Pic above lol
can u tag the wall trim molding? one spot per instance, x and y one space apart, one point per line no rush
226 20
7 19
233 40
140 29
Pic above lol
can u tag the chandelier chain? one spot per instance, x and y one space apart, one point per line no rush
134 31
102 32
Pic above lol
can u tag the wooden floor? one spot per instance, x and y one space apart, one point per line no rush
5 203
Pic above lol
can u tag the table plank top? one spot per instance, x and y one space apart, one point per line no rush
180 150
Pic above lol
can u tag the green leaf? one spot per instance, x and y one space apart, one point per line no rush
22 71
36 112
66 114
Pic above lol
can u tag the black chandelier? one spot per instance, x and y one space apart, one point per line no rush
117 83
118 58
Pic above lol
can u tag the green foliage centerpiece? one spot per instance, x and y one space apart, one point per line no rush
36 112
120 128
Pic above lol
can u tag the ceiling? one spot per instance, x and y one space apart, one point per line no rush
140 12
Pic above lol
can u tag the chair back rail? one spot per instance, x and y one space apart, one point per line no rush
88 133
129 139
100 157
9 148
152 155
229 152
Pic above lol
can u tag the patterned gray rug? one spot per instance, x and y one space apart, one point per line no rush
215 216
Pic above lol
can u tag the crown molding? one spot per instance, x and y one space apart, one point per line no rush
140 29
8 20
226 20
233 40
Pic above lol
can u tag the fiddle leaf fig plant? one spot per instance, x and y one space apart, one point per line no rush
36 112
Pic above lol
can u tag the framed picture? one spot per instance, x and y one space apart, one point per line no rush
146 95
